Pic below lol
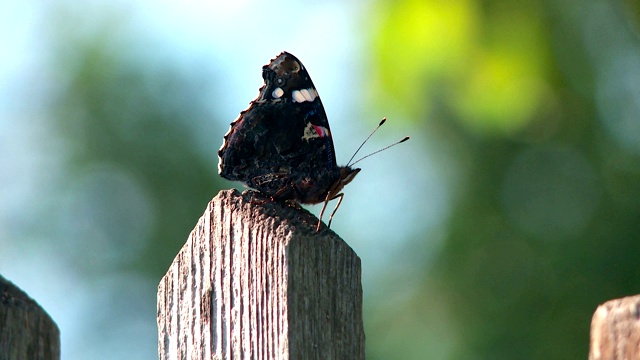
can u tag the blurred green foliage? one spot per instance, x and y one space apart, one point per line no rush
547 221
136 115
487 66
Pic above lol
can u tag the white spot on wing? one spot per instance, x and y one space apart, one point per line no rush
307 95
303 95
298 97
277 93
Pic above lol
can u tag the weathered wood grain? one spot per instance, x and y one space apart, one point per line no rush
26 330
255 281
615 330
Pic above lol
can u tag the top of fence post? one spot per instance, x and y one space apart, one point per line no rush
255 281
615 330
26 330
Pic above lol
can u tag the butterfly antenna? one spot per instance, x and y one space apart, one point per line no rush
383 149
367 139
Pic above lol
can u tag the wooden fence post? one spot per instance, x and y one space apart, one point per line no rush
615 330
254 281
26 330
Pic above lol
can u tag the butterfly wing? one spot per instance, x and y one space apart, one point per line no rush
281 145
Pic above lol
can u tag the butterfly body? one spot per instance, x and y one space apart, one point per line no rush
281 145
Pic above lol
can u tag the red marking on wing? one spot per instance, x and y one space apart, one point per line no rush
322 132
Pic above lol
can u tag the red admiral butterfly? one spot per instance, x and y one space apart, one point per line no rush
281 145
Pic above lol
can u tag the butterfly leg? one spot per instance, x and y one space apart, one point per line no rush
283 192
279 186
341 195
324 207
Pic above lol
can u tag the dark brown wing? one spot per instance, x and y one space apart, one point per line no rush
281 145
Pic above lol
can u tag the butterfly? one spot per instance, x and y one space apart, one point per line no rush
281 145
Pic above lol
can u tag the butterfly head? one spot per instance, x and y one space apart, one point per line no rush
286 79
346 175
